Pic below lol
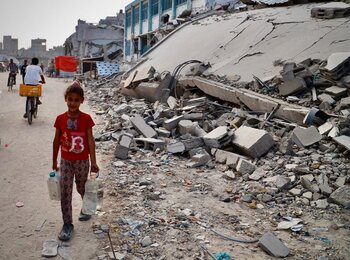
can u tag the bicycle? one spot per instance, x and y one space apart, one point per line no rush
12 81
32 93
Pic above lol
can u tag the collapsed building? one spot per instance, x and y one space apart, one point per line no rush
95 40
247 109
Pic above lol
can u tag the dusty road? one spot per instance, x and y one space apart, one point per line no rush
25 161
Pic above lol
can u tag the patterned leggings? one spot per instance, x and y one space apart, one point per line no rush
69 169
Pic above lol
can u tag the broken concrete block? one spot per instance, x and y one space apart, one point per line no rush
341 196
326 98
340 182
232 160
253 142
306 183
331 10
198 160
336 91
337 65
192 143
195 101
288 73
140 125
344 102
257 174
172 123
163 132
304 137
177 147
273 246
217 137
282 182
325 128
128 81
144 75
121 152
125 140
245 167
172 102
186 127
149 143
334 132
343 140
322 180
293 86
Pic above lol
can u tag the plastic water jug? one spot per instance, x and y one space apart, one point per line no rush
91 197
99 195
53 184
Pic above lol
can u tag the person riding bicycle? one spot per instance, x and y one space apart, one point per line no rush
32 77
22 69
13 68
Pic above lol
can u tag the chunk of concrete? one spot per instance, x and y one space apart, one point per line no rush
343 140
177 147
144 74
326 98
217 137
198 160
172 102
192 143
172 123
292 86
273 246
336 91
253 142
245 167
140 125
304 137
257 174
325 128
129 79
149 143
341 196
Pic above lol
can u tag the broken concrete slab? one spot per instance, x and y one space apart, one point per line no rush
144 74
331 10
293 86
140 125
257 174
306 183
325 128
336 91
253 100
344 102
149 143
253 142
337 65
273 246
172 102
304 137
343 140
177 147
129 79
198 160
341 196
217 137
326 98
192 143
245 167
172 123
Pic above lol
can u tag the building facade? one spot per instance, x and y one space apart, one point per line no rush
143 18
10 45
38 45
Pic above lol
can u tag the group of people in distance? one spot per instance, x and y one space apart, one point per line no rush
73 138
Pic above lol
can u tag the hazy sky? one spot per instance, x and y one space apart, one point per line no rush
51 20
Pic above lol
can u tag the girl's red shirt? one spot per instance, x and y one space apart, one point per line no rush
73 138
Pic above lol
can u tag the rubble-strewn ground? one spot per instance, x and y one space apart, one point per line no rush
159 208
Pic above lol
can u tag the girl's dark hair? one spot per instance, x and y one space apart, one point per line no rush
75 88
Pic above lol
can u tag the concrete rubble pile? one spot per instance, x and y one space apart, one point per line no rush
153 128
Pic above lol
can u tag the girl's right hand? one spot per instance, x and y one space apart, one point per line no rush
55 166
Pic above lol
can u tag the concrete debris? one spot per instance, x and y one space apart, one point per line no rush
343 140
253 142
341 196
331 10
273 246
198 160
305 137
144 75
326 98
292 86
150 143
172 123
325 128
336 91
337 65
218 137
245 167
141 126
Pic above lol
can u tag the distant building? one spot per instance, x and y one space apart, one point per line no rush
38 45
0 46
143 18
10 45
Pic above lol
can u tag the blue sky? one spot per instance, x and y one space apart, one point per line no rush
51 20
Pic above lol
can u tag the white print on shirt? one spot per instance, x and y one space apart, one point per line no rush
77 144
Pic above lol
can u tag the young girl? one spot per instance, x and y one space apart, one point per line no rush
74 136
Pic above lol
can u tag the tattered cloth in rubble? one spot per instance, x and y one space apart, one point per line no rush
106 68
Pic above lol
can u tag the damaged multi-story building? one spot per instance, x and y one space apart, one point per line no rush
95 40
145 19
